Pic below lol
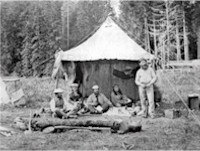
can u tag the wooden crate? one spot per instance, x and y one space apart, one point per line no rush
193 101
172 113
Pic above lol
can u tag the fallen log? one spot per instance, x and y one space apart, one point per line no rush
41 123
91 124
52 129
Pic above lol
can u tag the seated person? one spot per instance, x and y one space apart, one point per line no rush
75 102
118 99
57 104
97 102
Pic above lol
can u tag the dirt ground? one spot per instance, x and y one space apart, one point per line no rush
160 133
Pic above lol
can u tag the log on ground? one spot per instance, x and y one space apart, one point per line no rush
41 123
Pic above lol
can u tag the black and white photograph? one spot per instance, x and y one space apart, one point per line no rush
100 75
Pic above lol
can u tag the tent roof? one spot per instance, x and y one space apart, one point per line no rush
109 42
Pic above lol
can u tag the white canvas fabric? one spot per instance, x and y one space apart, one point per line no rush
4 98
109 42
118 111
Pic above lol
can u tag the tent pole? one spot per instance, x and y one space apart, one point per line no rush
110 71
57 80
81 84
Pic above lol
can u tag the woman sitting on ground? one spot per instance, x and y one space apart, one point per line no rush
118 99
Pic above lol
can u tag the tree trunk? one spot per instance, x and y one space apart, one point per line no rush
147 44
186 53
168 38
178 55
154 36
163 56
198 43
68 27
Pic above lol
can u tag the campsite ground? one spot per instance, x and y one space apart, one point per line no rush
160 133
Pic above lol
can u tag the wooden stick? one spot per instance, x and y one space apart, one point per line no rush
29 123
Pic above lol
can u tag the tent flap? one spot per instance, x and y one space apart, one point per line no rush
4 98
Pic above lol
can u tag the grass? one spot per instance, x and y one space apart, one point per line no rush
38 91
184 81
160 133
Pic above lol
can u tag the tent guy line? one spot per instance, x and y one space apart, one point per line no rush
176 91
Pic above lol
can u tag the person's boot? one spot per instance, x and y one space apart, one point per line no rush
152 115
142 114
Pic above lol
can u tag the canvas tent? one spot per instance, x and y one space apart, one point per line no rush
3 93
104 59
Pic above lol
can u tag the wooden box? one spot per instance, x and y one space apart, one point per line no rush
172 113
193 101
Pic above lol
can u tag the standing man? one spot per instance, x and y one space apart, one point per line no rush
145 78
97 102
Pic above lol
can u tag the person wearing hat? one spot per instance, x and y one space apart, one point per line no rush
75 101
97 102
145 78
57 104
118 99
75 94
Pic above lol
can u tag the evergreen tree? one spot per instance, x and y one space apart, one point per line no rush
84 17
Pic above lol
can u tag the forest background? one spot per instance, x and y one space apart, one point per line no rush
31 31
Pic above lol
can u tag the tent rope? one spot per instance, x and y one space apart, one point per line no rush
196 82
176 91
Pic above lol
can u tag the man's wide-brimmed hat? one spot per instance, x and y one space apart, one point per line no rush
58 90
95 87
143 61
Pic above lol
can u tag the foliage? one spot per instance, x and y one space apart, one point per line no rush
132 19
38 91
185 81
196 24
83 20
11 36
30 34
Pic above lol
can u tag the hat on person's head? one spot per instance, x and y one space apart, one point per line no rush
73 85
95 87
143 61
58 90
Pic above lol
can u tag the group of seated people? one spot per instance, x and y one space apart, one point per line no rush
96 103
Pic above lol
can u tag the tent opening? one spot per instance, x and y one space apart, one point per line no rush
79 74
